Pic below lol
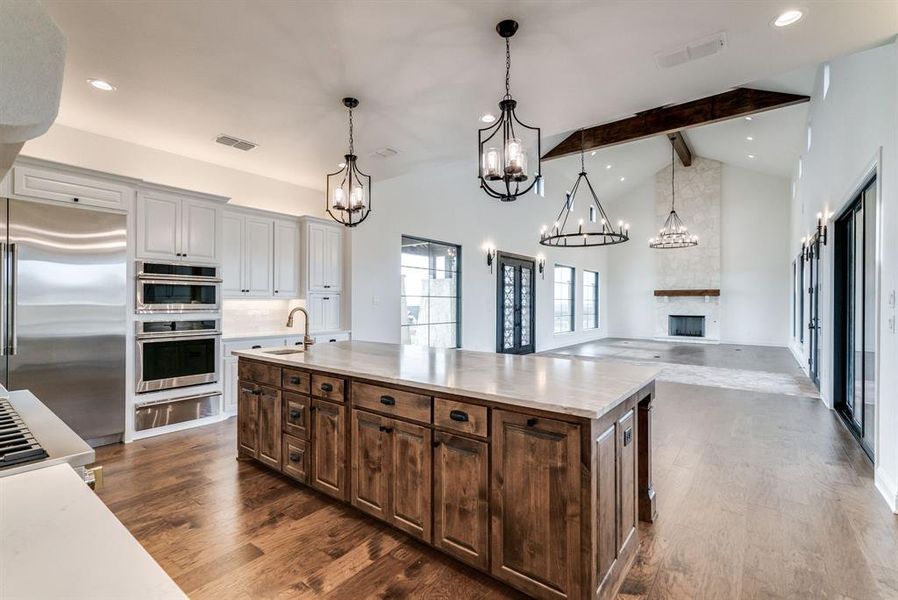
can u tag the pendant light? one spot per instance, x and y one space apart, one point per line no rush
598 231
674 234
503 155
348 199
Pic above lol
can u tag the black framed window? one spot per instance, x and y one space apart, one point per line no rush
430 294
590 300
564 299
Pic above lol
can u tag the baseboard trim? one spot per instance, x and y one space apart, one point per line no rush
887 488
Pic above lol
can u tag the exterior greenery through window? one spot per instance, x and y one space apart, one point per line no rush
429 293
590 300
564 299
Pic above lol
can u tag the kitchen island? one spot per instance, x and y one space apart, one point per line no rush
532 469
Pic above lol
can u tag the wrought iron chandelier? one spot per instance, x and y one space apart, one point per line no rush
562 237
674 234
348 199
503 157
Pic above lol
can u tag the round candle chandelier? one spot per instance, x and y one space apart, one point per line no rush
674 234
348 199
503 155
599 230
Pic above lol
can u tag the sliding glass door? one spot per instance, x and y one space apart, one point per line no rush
855 301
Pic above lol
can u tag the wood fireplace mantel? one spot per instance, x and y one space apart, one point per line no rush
708 292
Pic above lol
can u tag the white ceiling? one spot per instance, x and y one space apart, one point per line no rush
273 72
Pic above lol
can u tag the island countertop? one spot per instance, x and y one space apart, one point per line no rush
568 386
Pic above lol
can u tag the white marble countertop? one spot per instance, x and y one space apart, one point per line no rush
569 386
60 541
61 443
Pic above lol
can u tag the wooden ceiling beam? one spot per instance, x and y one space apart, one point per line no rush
681 146
664 120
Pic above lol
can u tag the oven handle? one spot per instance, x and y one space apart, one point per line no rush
177 279
165 337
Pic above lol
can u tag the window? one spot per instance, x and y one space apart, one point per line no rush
564 299
590 300
429 295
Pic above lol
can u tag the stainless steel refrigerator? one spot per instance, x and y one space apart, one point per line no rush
63 299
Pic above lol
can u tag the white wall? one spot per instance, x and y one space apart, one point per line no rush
755 271
855 129
446 204
88 150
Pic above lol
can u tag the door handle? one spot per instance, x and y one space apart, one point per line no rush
14 297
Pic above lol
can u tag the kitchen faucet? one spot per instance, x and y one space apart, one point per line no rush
306 339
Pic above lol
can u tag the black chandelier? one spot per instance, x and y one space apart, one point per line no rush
348 199
674 234
503 158
562 237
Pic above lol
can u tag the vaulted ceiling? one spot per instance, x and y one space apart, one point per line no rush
273 72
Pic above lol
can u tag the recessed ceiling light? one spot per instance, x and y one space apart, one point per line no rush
487 118
749 138
748 118
787 18
751 155
101 84
607 166
623 178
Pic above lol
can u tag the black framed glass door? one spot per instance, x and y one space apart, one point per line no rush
515 303
854 302
814 312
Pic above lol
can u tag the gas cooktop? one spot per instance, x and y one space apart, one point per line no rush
17 444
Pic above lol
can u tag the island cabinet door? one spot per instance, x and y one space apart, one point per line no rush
461 511
270 441
536 504
371 464
329 448
411 479
247 419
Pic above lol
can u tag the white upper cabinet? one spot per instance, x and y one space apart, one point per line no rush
173 228
286 259
323 266
261 256
46 184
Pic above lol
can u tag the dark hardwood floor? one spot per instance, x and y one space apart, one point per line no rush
759 495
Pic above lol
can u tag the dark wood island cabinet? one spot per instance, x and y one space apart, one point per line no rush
543 494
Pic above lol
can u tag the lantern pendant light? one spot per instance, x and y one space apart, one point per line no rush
595 233
503 152
674 234
348 199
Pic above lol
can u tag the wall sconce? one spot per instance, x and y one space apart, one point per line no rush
490 254
821 229
541 265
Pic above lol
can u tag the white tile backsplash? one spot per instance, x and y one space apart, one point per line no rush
256 315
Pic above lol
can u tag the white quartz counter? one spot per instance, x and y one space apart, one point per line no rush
58 540
568 386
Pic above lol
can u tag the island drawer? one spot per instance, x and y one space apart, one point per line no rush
460 416
327 387
296 381
295 458
296 418
409 405
259 372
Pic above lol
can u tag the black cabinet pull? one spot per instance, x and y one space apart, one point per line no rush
313 408
381 428
76 200
256 347
297 343
295 380
458 415
531 421
388 429
257 392
275 291
327 387
388 400
333 340
326 298
295 414
436 444
294 457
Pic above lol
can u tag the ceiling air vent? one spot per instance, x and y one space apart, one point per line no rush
234 142
384 152
692 51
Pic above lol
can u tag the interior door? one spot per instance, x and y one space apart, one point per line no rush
515 305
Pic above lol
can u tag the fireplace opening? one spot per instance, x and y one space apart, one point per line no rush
686 325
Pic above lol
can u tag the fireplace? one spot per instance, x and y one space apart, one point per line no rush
686 326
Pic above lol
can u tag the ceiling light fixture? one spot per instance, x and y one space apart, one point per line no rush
751 155
348 199
623 178
749 138
487 118
674 234
607 166
578 237
101 84
788 18
503 158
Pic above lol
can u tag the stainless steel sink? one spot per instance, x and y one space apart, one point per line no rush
284 351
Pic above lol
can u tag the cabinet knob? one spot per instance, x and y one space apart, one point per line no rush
388 400
327 387
295 414
295 380
275 291
294 457
436 444
458 415
257 392
531 422
76 200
